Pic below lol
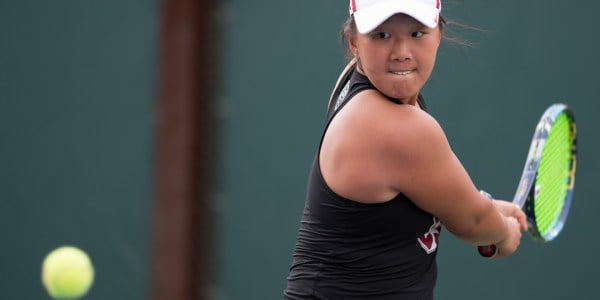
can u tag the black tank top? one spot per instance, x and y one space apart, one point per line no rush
351 250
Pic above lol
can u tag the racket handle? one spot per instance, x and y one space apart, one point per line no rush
487 251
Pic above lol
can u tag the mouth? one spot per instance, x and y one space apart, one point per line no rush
402 73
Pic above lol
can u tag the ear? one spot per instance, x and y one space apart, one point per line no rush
352 44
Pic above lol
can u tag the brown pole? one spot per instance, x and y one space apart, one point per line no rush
182 219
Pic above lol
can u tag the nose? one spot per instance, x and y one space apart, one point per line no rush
401 50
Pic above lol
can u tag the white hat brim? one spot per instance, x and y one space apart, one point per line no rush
367 19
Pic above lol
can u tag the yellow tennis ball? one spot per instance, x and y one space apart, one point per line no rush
67 273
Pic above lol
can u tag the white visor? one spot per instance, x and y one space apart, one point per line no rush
368 14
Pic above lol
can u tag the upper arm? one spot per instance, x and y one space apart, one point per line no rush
428 172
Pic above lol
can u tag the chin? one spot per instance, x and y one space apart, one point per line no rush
404 97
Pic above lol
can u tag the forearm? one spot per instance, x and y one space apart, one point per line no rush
486 228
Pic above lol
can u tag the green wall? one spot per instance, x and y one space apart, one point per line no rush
280 59
77 97
77 82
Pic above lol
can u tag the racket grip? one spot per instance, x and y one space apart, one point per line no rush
487 251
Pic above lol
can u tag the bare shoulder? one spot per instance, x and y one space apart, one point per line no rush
399 128
415 130
409 141
377 139
415 140
395 131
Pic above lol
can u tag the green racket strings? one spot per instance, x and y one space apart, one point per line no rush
552 179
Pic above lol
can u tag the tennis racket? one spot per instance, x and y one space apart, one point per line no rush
546 186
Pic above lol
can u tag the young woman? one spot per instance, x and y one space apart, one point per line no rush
385 180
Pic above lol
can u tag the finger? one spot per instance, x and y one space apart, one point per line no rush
522 218
523 222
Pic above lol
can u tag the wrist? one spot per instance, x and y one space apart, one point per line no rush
505 226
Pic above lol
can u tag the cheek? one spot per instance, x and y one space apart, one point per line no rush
373 55
364 48
428 57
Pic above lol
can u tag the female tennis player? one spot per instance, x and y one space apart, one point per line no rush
385 180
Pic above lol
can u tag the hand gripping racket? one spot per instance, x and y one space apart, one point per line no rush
546 186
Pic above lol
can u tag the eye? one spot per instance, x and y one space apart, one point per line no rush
417 34
382 35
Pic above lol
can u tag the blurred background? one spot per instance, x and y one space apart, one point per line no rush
172 139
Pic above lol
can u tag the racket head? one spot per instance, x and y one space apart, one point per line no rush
546 187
